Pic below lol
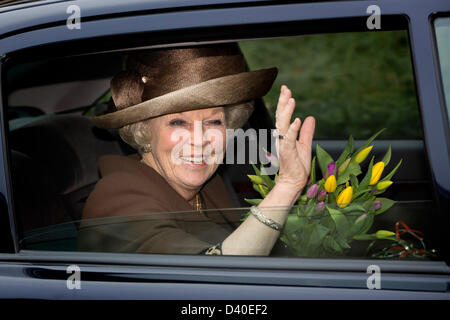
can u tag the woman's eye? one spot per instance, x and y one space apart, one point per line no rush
180 122
217 122
177 122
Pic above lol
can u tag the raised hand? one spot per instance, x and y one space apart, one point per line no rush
294 154
294 157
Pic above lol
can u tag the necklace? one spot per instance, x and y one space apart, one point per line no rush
198 203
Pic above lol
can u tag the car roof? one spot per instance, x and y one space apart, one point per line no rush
7 5
22 14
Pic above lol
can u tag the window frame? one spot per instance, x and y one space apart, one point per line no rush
440 81
266 13
401 279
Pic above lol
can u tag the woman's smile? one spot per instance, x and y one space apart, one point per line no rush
194 162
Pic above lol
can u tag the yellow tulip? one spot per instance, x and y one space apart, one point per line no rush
345 197
330 184
377 170
363 154
383 184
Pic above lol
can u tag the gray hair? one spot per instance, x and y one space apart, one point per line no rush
137 135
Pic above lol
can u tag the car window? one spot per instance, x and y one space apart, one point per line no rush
350 82
359 87
442 31
305 234
60 80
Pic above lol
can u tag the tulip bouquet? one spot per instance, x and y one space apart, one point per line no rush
336 208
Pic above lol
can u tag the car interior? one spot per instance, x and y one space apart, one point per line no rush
54 148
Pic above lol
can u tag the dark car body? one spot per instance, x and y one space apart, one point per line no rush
39 28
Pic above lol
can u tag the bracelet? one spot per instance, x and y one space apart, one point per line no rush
268 222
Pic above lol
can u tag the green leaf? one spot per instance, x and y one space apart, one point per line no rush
244 216
256 179
256 169
354 182
386 204
368 205
347 151
352 168
339 219
358 225
105 98
353 207
343 243
338 190
302 199
331 244
369 141
331 198
293 223
309 209
362 198
365 181
368 223
328 222
267 180
261 189
293 231
324 159
317 233
387 157
254 202
360 192
389 176
313 171
377 192
365 237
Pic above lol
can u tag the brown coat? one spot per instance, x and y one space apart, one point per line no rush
148 212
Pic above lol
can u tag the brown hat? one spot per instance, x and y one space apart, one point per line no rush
174 80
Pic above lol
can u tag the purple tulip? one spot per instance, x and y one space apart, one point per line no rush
309 180
312 191
322 195
331 167
377 205
320 206
272 159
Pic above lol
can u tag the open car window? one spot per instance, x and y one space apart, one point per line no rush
355 84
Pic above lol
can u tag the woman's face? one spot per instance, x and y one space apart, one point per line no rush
187 147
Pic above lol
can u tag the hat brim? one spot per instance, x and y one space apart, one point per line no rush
227 90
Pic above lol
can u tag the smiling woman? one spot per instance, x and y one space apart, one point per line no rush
174 106
170 144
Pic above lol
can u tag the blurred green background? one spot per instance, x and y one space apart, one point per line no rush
352 83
